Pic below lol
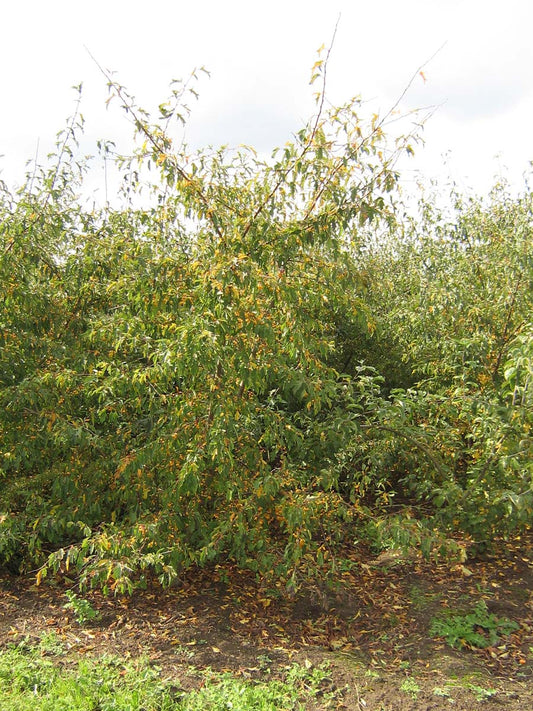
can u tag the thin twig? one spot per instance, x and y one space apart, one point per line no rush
409 84
376 129
34 167
142 126
307 146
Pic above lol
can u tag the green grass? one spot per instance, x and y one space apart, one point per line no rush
40 678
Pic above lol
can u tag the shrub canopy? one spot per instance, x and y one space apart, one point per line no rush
261 364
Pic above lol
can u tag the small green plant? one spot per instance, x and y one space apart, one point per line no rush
264 662
478 628
82 608
442 692
410 687
481 693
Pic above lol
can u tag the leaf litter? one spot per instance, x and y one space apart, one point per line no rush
372 629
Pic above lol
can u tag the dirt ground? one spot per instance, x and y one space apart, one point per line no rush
373 633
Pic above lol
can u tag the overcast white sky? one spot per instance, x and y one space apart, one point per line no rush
260 54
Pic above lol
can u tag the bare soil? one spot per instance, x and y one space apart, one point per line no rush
373 632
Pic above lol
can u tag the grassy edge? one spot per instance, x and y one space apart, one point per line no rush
41 678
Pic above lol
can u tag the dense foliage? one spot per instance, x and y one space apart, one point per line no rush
259 361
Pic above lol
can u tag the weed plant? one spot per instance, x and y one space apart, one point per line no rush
82 608
478 628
